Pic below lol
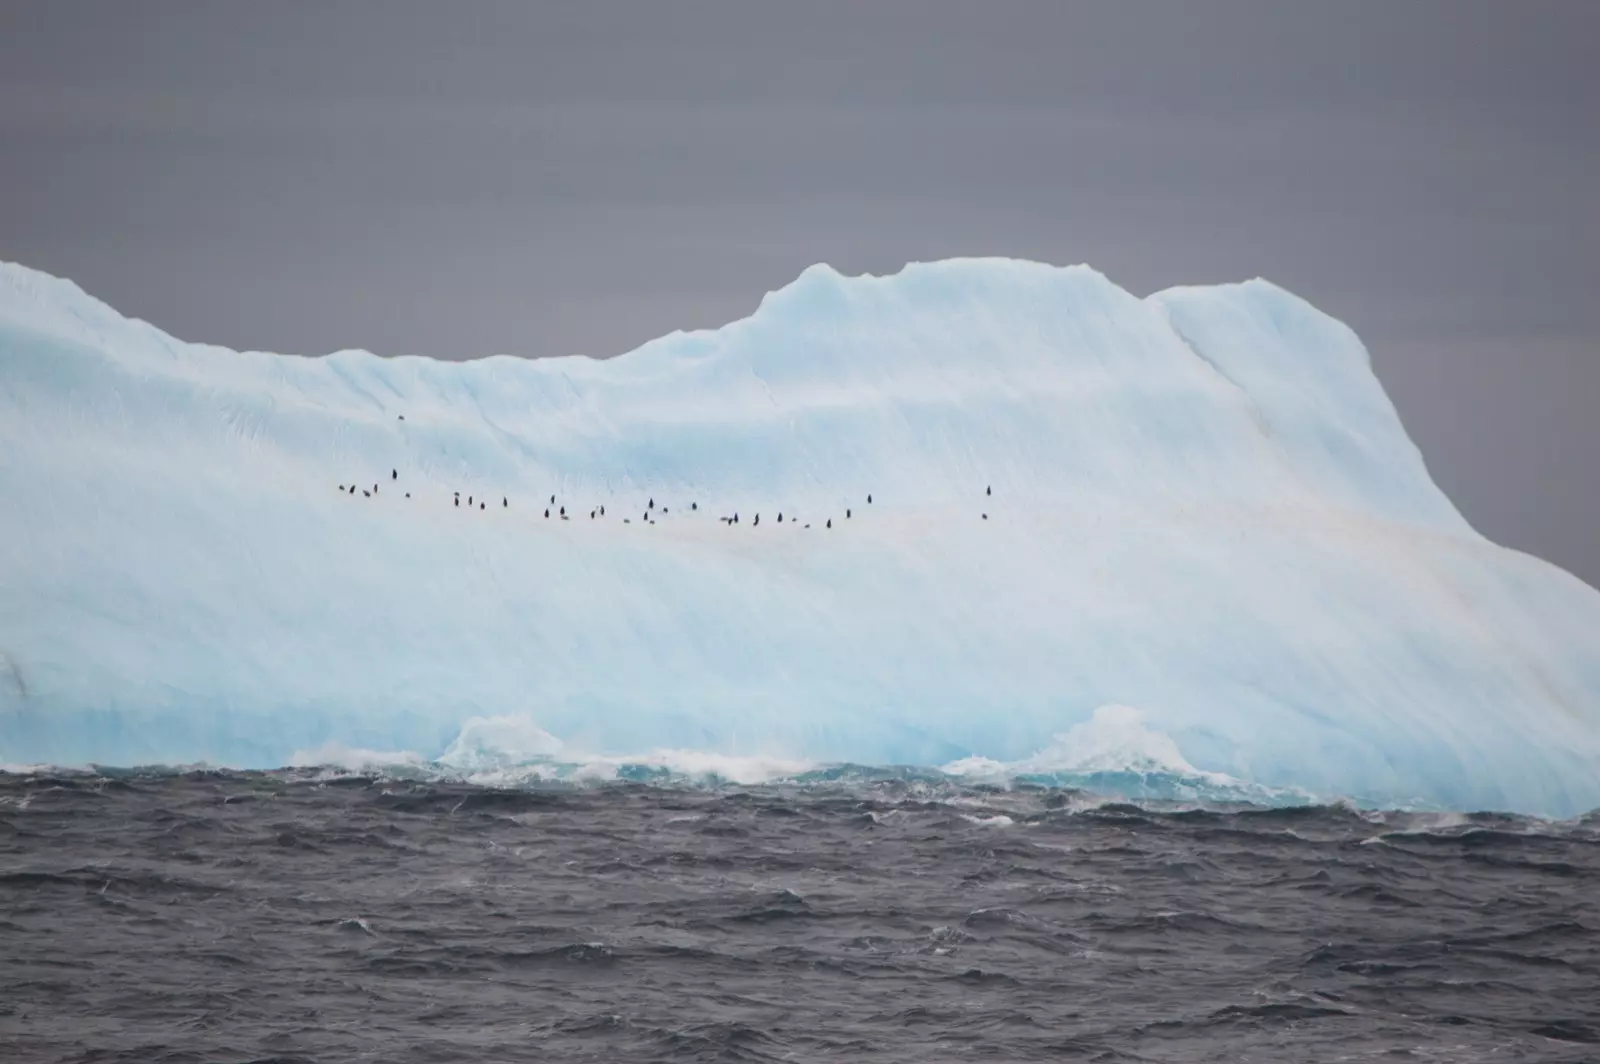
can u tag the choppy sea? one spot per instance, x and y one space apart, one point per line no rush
308 915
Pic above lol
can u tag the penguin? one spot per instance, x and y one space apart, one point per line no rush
408 495
504 504
366 494
652 505
469 500
552 500
869 498
986 517
847 515
341 487
989 490
830 522
694 506
756 522
780 517
480 506
547 513
736 517
458 502
563 511
402 417
394 474
602 511
808 526
591 515
663 509
374 489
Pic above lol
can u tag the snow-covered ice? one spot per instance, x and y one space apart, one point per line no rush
1203 506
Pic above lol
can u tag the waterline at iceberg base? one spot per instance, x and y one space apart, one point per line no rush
1179 534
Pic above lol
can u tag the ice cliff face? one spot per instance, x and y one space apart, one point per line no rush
1203 506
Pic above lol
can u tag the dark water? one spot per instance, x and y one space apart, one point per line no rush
278 917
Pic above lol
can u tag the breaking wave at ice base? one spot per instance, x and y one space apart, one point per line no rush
1113 755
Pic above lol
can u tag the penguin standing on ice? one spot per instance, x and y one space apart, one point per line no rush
847 515
986 517
830 522
365 494
469 502
547 513
652 505
869 498
394 474
602 511
989 490
480 506
458 502
694 506
780 517
552 500
563 511
504 503
757 522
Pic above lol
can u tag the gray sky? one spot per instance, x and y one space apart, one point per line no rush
469 178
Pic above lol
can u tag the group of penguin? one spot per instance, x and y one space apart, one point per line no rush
600 511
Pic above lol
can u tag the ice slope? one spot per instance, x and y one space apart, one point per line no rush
1204 507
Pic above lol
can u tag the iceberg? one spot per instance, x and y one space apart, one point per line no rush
1199 504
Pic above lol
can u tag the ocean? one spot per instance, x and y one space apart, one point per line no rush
299 916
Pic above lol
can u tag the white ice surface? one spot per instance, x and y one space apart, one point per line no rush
1204 507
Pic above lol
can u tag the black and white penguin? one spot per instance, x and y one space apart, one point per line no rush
504 503
830 522
756 522
869 499
694 506
547 513
394 474
480 506
989 490
847 515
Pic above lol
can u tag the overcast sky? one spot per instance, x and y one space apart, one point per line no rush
469 178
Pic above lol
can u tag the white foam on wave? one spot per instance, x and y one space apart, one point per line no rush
1114 747
513 749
